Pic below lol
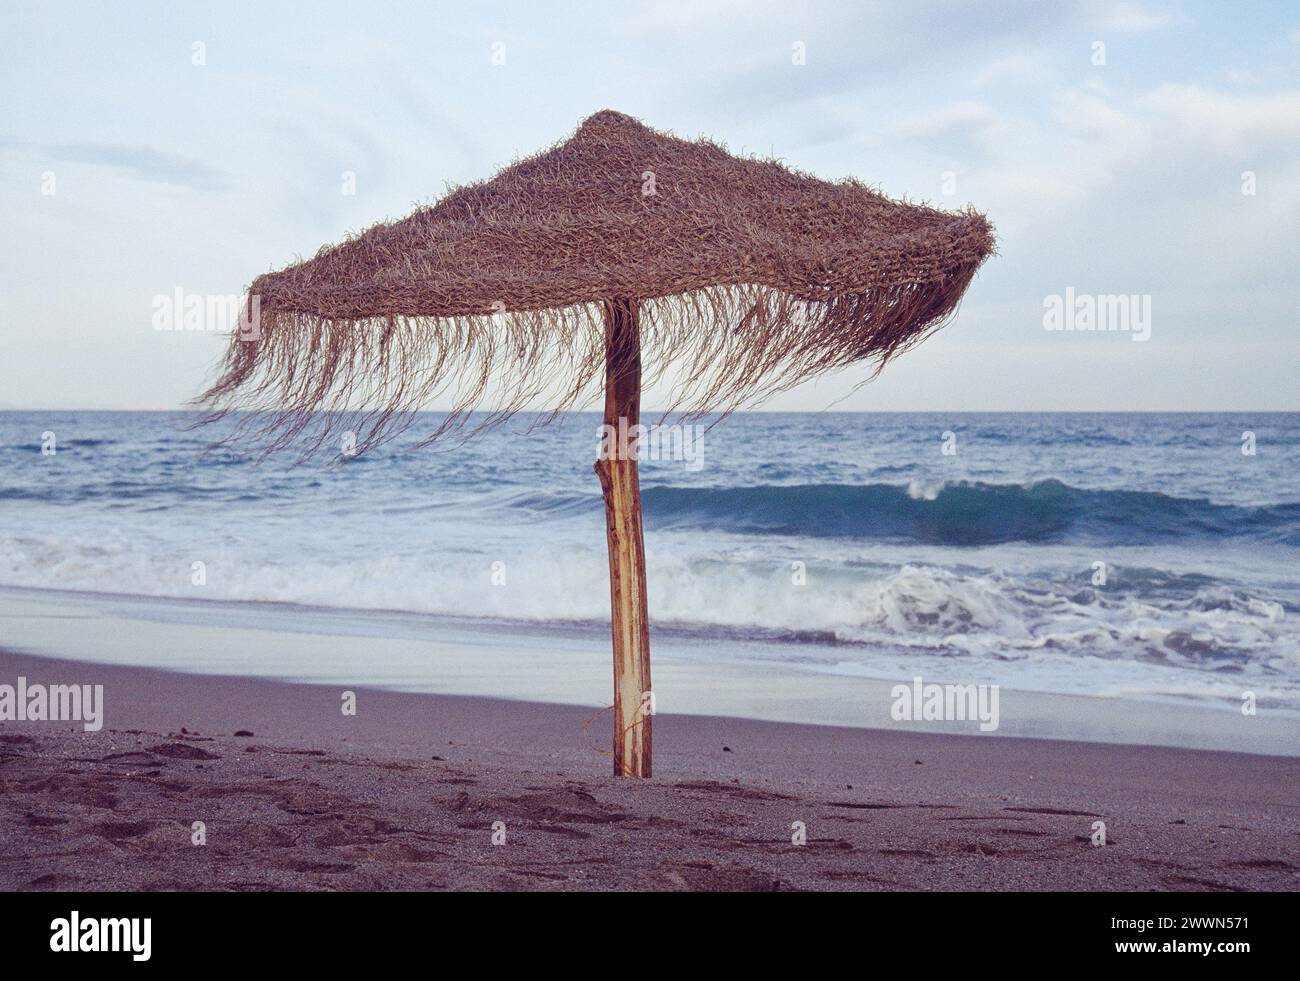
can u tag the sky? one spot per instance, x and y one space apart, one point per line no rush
1120 148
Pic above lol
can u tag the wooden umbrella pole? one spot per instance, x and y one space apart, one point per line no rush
627 581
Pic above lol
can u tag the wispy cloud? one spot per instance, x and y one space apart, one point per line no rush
1229 123
143 163
1121 15
954 120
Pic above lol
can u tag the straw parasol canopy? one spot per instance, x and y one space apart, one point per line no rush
620 255
749 277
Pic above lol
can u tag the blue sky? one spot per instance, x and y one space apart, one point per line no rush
1123 177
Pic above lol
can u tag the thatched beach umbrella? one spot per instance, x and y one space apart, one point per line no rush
612 259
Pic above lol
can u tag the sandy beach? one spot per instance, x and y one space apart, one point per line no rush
409 793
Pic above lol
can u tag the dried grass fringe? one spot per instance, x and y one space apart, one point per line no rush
306 379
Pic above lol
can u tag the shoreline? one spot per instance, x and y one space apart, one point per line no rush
570 666
406 794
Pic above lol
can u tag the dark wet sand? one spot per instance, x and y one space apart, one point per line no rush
405 795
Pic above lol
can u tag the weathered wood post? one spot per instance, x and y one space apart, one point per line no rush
627 581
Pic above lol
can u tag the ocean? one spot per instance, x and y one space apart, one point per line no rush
1136 555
